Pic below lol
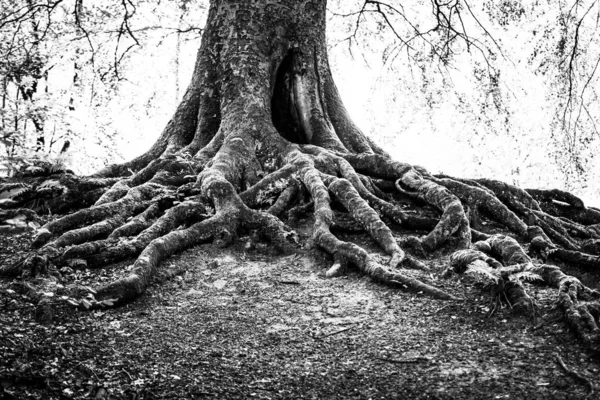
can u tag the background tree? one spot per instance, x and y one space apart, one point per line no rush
68 59
262 138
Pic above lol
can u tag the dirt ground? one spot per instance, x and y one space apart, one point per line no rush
226 324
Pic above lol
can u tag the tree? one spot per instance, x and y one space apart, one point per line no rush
262 137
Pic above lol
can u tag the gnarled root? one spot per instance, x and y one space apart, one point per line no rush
230 215
503 279
452 225
348 252
133 203
580 304
572 257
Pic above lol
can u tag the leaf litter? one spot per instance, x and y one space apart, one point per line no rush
227 326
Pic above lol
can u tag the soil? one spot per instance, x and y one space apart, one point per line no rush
228 324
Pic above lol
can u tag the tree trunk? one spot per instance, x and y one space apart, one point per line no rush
265 61
262 119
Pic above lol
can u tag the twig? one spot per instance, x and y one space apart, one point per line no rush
289 282
575 375
338 331
127 373
437 311
403 360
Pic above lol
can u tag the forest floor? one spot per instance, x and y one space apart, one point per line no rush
228 324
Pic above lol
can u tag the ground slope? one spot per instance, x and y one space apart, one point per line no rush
235 324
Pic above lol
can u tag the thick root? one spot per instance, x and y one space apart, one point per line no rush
92 232
502 278
345 252
103 252
133 203
367 217
453 223
146 264
137 223
230 215
287 197
580 304
479 198
571 257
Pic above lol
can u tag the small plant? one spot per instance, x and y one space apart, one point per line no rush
186 159
13 190
499 280
269 195
33 164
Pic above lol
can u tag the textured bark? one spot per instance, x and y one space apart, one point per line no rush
503 274
580 304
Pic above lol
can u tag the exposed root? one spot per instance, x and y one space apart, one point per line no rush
513 196
549 230
287 197
505 247
556 195
453 223
348 252
117 191
295 213
575 375
580 304
160 240
156 251
366 216
137 223
338 268
56 194
91 232
255 195
141 209
374 196
99 253
586 216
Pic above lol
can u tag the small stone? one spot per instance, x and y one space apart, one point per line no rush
43 312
